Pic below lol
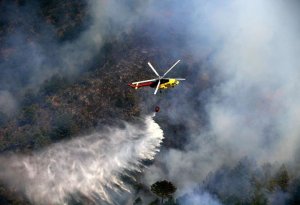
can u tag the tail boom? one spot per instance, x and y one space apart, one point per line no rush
139 85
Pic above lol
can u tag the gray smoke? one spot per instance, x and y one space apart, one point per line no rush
31 51
251 48
8 104
90 166
198 198
248 50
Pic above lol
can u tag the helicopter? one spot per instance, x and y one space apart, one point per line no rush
160 82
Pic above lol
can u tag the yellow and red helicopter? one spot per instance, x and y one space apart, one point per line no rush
160 82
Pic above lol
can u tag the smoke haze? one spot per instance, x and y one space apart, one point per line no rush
241 98
33 49
252 107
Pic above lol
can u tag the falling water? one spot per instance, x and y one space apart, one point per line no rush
88 165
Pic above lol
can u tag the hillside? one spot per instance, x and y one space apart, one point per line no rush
230 130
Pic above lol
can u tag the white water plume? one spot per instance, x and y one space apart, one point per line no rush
89 165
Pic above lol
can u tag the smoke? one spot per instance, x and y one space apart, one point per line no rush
90 166
241 97
198 198
254 113
7 103
249 51
279 198
42 39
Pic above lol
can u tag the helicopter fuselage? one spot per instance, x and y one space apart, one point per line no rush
160 82
164 84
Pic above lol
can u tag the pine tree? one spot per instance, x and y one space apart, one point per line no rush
163 189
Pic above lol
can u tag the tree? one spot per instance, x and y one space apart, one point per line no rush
28 115
63 127
29 98
138 201
282 178
54 84
259 198
163 189
3 118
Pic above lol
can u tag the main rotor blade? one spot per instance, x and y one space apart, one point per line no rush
144 81
153 69
175 78
158 84
171 68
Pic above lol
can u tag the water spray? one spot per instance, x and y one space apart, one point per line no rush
90 165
